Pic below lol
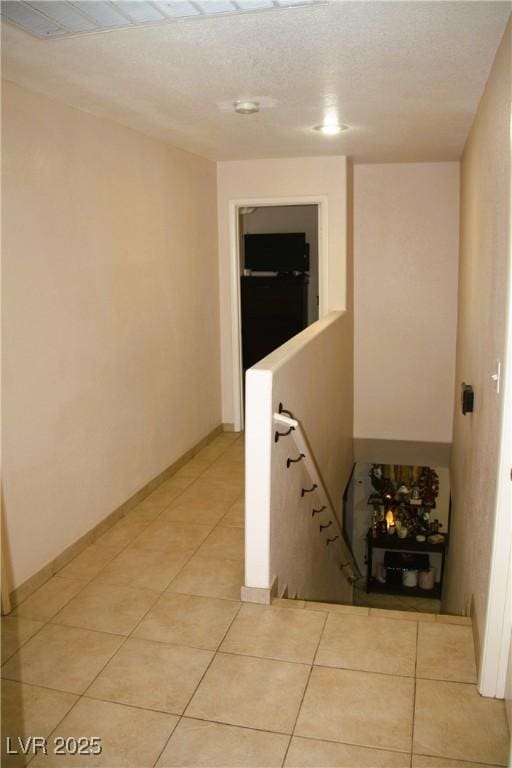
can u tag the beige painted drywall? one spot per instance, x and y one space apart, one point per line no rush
277 179
406 253
111 313
508 695
481 338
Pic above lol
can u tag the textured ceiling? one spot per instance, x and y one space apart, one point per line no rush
405 76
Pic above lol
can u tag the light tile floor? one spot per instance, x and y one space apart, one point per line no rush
395 602
141 640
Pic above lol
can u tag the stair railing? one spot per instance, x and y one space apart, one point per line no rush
347 564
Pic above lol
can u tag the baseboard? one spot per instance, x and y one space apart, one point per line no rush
50 569
260 595
407 452
228 427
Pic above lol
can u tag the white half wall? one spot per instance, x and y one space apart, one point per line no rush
110 318
312 376
277 179
406 239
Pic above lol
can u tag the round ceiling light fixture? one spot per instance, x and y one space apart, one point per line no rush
246 107
330 129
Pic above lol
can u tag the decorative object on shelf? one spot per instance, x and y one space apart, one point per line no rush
403 497
386 572
381 572
421 538
429 486
426 579
410 578
390 519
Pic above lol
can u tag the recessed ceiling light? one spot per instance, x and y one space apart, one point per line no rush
330 129
246 107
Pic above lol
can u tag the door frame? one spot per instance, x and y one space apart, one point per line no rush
234 255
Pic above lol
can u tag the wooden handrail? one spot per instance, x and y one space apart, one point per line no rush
349 568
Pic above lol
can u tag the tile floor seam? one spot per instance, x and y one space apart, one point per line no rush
95 631
283 761
207 597
228 725
360 746
194 554
237 725
364 671
178 721
413 720
130 635
116 702
320 636
87 629
126 638
266 658
86 584
4 661
53 731
40 685
446 680
214 655
456 682
470 762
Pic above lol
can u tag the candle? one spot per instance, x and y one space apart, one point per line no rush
390 520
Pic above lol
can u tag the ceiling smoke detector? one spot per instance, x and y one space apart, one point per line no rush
246 107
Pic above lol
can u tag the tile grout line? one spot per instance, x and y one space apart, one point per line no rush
214 655
414 689
305 688
471 763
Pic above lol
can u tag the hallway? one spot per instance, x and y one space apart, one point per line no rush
141 640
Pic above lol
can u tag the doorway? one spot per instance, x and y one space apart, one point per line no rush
317 271
279 282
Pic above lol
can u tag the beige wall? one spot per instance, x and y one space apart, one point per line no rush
484 268
111 316
277 179
406 254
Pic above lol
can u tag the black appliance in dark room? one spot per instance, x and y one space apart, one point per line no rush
274 292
